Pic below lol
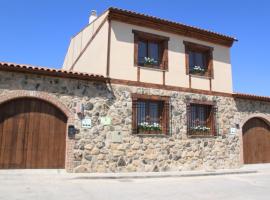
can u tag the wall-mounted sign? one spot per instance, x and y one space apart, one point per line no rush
232 131
105 120
86 123
116 137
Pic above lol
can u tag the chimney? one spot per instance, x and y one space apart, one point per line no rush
93 16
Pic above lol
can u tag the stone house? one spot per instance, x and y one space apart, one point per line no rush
136 93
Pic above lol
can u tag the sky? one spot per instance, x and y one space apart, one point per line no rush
38 32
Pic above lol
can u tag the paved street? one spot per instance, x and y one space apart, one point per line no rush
50 186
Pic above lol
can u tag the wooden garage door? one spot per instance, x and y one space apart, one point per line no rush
256 141
32 134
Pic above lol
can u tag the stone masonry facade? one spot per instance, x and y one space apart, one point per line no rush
93 149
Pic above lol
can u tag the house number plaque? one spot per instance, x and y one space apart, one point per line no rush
86 123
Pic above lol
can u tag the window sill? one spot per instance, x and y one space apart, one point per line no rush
152 68
201 136
201 76
151 135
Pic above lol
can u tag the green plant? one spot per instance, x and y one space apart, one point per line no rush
145 126
197 69
200 129
149 61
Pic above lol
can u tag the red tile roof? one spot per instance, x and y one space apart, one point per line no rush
251 97
6 66
190 31
12 67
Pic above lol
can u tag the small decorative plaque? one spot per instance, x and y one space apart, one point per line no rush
116 137
105 120
86 123
233 131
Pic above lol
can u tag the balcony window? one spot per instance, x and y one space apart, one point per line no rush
150 50
199 59
148 53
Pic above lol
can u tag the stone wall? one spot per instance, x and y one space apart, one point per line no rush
94 149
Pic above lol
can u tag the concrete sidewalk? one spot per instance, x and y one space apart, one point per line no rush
237 184
247 169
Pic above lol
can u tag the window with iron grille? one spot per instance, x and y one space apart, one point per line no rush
201 119
150 115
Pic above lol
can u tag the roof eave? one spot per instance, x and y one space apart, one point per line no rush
169 26
12 67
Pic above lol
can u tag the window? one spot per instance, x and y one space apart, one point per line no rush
150 114
150 50
201 119
198 59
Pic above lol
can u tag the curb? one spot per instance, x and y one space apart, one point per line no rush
125 175
159 175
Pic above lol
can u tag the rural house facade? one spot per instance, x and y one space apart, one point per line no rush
136 93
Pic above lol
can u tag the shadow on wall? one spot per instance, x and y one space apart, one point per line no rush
58 87
123 33
252 107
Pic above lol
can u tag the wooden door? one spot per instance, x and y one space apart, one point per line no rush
256 141
32 134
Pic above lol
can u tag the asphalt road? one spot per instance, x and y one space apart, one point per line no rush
52 186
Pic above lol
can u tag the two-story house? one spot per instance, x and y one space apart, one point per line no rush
136 93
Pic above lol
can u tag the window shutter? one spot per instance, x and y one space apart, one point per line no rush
166 118
214 120
134 116
165 55
187 59
136 49
210 64
188 118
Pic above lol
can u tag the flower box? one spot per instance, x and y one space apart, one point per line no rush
197 70
150 62
200 130
151 128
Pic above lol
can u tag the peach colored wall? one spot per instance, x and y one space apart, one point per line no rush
151 76
122 60
122 66
94 59
122 53
200 83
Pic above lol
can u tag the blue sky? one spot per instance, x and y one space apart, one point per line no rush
38 31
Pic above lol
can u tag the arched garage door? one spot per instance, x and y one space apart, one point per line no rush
256 141
32 134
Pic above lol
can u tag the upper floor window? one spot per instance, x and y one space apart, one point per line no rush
199 59
201 119
150 50
148 53
150 114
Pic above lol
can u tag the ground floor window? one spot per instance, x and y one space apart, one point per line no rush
150 114
201 120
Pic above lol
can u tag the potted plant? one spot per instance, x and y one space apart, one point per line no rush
197 70
149 62
145 126
200 130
